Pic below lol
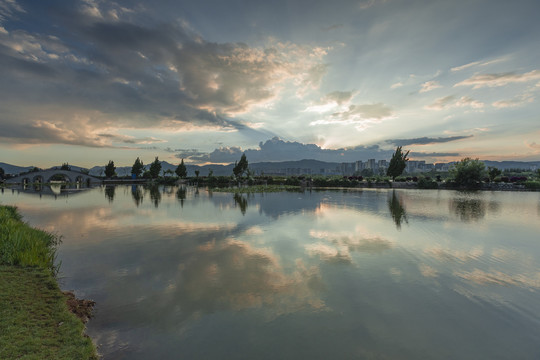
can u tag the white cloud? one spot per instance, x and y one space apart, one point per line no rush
450 102
396 85
515 102
361 116
441 103
430 85
478 63
500 79
465 101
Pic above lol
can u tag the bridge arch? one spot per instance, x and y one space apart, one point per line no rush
37 179
44 176
62 174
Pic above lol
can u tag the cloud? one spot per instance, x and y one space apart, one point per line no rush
137 74
338 97
130 139
366 4
276 149
433 154
499 79
361 116
429 86
515 102
396 85
8 9
448 102
425 140
333 27
466 101
478 63
441 103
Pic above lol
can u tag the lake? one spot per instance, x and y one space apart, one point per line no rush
354 274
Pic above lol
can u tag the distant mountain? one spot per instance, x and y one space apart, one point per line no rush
524 165
306 166
14 169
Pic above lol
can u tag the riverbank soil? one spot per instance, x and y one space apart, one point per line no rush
35 322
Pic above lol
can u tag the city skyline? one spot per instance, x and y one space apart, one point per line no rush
88 81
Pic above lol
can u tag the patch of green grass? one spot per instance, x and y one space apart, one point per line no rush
23 245
34 320
257 189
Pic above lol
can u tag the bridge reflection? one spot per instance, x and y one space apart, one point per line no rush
53 189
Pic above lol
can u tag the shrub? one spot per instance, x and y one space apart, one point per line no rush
533 185
468 172
427 183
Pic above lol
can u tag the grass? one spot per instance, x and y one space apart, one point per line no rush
257 189
35 322
22 245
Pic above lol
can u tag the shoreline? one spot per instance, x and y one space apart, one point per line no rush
37 319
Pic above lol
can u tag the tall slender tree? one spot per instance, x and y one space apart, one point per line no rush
137 167
181 170
397 163
110 169
155 168
240 167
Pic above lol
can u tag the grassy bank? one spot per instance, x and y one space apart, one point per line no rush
35 322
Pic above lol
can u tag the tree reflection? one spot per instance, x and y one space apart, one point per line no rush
137 194
109 192
241 202
468 209
396 209
181 195
155 195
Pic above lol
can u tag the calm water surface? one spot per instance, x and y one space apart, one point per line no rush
372 274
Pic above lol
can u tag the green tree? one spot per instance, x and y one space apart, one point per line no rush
137 167
65 166
110 169
241 167
2 173
538 173
468 172
181 170
493 172
155 168
397 163
197 173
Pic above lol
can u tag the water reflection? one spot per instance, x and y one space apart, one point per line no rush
137 194
309 275
468 209
110 192
181 194
397 210
242 202
155 194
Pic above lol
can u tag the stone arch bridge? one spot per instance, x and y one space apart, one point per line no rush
45 176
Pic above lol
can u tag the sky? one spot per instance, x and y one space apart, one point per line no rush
88 81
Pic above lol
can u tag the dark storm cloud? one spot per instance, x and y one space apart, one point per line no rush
426 140
279 150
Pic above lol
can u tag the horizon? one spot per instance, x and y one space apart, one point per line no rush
89 81
230 164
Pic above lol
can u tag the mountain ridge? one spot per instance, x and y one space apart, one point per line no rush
315 166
